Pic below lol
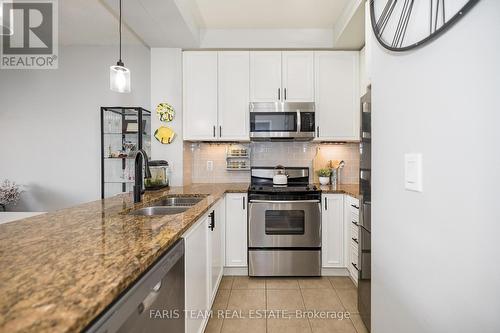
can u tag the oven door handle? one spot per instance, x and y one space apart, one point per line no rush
284 201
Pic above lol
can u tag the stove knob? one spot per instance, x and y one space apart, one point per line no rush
261 188
253 188
314 188
307 188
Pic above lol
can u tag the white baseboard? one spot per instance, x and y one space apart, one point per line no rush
334 271
240 271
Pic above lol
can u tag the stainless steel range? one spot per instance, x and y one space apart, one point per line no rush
284 224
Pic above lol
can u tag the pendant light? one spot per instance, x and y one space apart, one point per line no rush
119 75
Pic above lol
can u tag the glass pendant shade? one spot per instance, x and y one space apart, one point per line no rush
119 78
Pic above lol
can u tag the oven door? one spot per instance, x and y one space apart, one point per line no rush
284 224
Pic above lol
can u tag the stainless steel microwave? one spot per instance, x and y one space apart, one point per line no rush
282 121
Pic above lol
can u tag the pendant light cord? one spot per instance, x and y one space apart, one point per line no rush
120 31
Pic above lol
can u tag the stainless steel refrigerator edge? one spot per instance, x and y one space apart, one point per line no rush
365 169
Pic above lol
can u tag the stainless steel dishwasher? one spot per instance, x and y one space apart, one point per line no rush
155 303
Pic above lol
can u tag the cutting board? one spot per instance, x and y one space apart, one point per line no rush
319 162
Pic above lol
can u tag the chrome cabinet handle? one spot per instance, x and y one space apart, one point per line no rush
243 201
354 206
355 266
317 131
220 131
355 240
279 94
355 223
285 94
214 131
326 206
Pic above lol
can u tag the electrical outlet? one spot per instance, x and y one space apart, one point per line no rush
210 165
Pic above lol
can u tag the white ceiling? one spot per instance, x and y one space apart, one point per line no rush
268 14
182 23
89 22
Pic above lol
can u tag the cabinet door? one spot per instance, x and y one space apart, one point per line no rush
236 230
234 90
200 95
298 76
265 76
216 245
196 274
332 220
336 95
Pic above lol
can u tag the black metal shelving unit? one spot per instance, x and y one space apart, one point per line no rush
121 136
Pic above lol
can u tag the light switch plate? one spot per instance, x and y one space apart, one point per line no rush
413 172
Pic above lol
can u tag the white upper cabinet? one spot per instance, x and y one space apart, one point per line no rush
234 90
282 76
298 76
200 95
337 95
265 76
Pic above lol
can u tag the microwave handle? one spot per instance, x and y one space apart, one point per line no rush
299 124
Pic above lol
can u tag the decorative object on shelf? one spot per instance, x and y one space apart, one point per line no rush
423 21
165 135
119 75
165 112
10 193
237 157
120 140
324 176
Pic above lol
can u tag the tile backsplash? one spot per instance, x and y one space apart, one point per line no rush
199 156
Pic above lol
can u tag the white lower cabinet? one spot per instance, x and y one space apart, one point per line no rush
351 210
205 254
216 247
196 275
236 230
333 241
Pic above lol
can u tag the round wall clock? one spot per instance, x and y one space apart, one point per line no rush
401 25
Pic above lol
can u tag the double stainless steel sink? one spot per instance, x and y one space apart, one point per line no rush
169 206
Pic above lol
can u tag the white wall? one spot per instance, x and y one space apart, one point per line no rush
166 87
49 123
436 254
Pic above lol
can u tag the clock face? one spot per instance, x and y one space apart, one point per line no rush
401 25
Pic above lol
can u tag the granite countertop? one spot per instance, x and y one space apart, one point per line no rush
60 270
349 189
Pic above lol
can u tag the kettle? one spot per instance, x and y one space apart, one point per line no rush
280 177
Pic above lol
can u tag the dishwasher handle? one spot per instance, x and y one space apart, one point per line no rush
150 299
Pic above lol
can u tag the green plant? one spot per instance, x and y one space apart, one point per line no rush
324 172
